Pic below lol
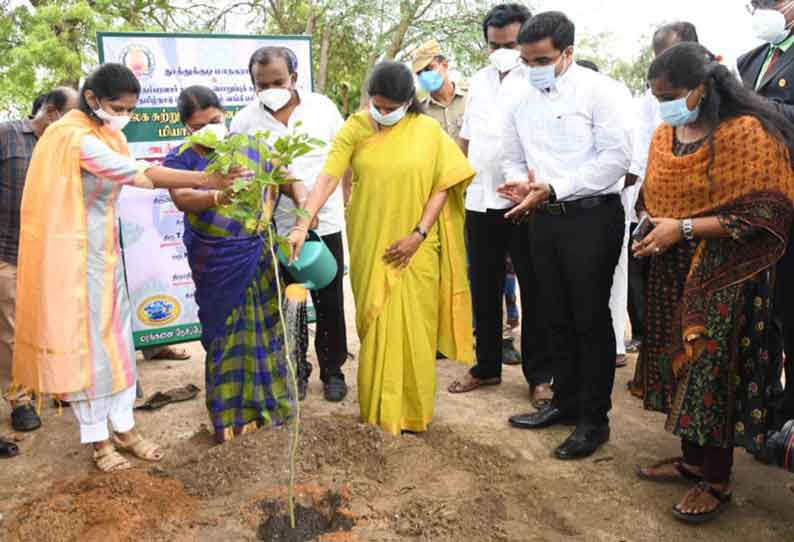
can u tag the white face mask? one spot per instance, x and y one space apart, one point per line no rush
504 60
390 119
770 24
275 98
114 122
219 129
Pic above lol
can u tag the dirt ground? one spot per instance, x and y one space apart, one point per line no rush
470 478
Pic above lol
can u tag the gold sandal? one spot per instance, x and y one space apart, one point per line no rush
141 448
107 459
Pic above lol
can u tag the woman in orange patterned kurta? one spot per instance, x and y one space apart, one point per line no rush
719 188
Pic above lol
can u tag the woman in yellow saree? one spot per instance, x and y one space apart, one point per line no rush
407 257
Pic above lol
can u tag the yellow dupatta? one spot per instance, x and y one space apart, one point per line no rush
52 352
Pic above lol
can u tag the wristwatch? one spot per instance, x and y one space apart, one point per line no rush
687 229
421 231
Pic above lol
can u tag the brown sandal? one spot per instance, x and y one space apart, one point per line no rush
683 474
107 459
472 383
141 448
541 395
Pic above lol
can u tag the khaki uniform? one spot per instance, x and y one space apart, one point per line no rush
450 116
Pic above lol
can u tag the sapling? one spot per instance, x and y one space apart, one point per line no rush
249 203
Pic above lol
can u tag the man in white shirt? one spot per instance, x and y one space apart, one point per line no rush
280 105
490 236
566 150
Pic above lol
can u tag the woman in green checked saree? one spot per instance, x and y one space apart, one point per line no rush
236 291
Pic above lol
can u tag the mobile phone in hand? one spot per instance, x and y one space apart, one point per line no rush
643 229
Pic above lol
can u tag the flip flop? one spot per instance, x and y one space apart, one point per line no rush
462 387
8 449
684 474
170 353
162 398
723 499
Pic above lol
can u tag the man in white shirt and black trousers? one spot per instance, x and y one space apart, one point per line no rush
567 147
490 236
280 105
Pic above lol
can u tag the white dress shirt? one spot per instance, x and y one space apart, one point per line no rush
320 119
482 127
648 120
576 136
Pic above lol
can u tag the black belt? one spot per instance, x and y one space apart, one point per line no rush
564 207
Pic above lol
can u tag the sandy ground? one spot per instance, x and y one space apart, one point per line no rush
470 478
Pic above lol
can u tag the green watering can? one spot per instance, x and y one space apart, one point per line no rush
316 267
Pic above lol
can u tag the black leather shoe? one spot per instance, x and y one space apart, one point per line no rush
583 442
335 389
545 417
24 418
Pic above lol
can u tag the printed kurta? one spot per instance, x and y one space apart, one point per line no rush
74 320
705 359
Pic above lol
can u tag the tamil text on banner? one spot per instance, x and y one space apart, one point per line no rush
158 276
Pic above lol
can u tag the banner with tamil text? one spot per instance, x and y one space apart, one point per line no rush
159 279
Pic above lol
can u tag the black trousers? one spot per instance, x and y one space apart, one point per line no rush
782 332
330 341
575 256
490 238
638 271
717 463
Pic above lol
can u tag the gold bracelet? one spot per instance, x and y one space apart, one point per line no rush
216 197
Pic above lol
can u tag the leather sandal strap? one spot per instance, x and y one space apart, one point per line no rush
714 492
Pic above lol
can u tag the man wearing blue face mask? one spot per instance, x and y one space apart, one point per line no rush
567 146
769 70
446 100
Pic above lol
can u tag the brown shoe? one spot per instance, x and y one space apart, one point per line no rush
621 361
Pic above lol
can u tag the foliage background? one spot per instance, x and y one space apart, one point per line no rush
44 43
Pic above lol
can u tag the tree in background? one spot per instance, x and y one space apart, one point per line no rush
49 43
633 73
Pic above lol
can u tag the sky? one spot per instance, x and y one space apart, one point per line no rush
723 25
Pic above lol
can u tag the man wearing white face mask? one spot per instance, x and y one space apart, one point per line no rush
567 146
279 106
490 236
769 70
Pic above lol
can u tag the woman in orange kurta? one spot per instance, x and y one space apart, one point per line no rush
74 327
407 258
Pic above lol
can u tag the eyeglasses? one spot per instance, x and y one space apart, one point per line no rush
755 5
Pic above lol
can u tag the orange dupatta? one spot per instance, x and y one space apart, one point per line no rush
52 352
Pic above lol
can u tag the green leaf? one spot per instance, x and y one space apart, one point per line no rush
303 213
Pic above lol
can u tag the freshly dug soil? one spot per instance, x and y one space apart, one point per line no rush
129 506
322 518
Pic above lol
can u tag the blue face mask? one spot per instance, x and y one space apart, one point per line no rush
542 77
677 113
431 80
390 119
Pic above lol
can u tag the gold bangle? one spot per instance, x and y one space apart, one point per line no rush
216 197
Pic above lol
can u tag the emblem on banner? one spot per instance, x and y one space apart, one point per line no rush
159 310
139 59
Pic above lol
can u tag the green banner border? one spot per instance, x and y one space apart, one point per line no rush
167 335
